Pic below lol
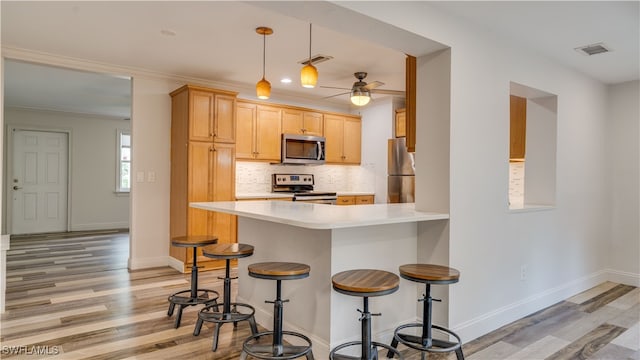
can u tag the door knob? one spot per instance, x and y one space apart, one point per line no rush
16 187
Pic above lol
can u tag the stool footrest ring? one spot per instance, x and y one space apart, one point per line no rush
270 352
374 345
415 342
211 314
205 296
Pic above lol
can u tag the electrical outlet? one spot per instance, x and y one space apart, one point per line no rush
524 270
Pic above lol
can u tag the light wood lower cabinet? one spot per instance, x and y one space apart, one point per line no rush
355 200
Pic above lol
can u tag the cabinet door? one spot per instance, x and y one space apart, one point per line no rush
199 186
312 123
333 131
292 121
245 132
401 123
200 115
518 128
223 189
351 146
268 133
225 119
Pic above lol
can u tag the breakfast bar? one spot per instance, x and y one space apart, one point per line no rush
332 239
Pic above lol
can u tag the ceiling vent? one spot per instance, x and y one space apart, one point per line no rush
593 49
316 59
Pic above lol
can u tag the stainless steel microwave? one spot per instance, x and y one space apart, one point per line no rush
302 149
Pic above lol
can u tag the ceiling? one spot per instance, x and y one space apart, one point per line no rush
215 41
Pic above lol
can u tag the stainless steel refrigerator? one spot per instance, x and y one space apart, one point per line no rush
401 170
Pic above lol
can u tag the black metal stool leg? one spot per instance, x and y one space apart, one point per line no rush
216 333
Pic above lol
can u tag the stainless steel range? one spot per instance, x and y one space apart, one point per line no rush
301 186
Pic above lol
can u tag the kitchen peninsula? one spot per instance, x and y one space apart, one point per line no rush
331 239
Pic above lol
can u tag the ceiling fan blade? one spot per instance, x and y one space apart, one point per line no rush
373 85
388 92
344 93
333 87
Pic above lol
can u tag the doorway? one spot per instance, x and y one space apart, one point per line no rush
38 181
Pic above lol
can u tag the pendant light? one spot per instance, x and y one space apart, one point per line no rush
263 87
309 73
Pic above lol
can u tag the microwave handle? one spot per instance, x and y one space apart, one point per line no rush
319 150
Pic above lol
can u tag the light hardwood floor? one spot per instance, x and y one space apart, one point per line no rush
71 297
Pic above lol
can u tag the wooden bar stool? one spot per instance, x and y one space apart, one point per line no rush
428 274
230 312
193 296
365 283
277 350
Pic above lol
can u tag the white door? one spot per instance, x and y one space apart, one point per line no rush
39 182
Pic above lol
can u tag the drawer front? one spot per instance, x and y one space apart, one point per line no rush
364 200
346 200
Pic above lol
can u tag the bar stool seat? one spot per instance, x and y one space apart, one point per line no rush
193 296
428 274
277 350
365 283
231 311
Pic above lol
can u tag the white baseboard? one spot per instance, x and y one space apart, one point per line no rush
176 264
145 263
492 320
100 226
623 277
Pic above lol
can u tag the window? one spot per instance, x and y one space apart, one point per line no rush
532 148
123 171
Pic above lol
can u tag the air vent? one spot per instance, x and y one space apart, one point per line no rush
593 49
316 59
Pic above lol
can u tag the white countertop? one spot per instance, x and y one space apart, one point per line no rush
322 216
271 195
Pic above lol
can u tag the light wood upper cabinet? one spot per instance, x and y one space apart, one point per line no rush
343 134
211 115
518 127
301 122
245 130
259 132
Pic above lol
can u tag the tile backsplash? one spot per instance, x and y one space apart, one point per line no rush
255 177
516 185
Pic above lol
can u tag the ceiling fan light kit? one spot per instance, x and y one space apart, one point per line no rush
263 87
309 73
360 97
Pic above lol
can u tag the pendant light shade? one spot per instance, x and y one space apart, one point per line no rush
263 87
309 73
360 97
309 76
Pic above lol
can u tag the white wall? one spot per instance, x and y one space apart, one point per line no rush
151 133
377 129
93 203
564 249
624 118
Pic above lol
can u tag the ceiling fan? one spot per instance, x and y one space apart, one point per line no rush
361 91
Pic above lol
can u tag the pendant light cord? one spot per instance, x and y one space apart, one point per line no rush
264 52
310 43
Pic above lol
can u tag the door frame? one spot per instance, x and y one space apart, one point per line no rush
8 170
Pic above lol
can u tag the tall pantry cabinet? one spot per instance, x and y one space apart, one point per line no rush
203 127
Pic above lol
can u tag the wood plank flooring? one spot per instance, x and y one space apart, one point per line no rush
70 296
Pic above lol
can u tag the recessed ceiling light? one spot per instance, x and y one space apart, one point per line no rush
285 80
168 32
